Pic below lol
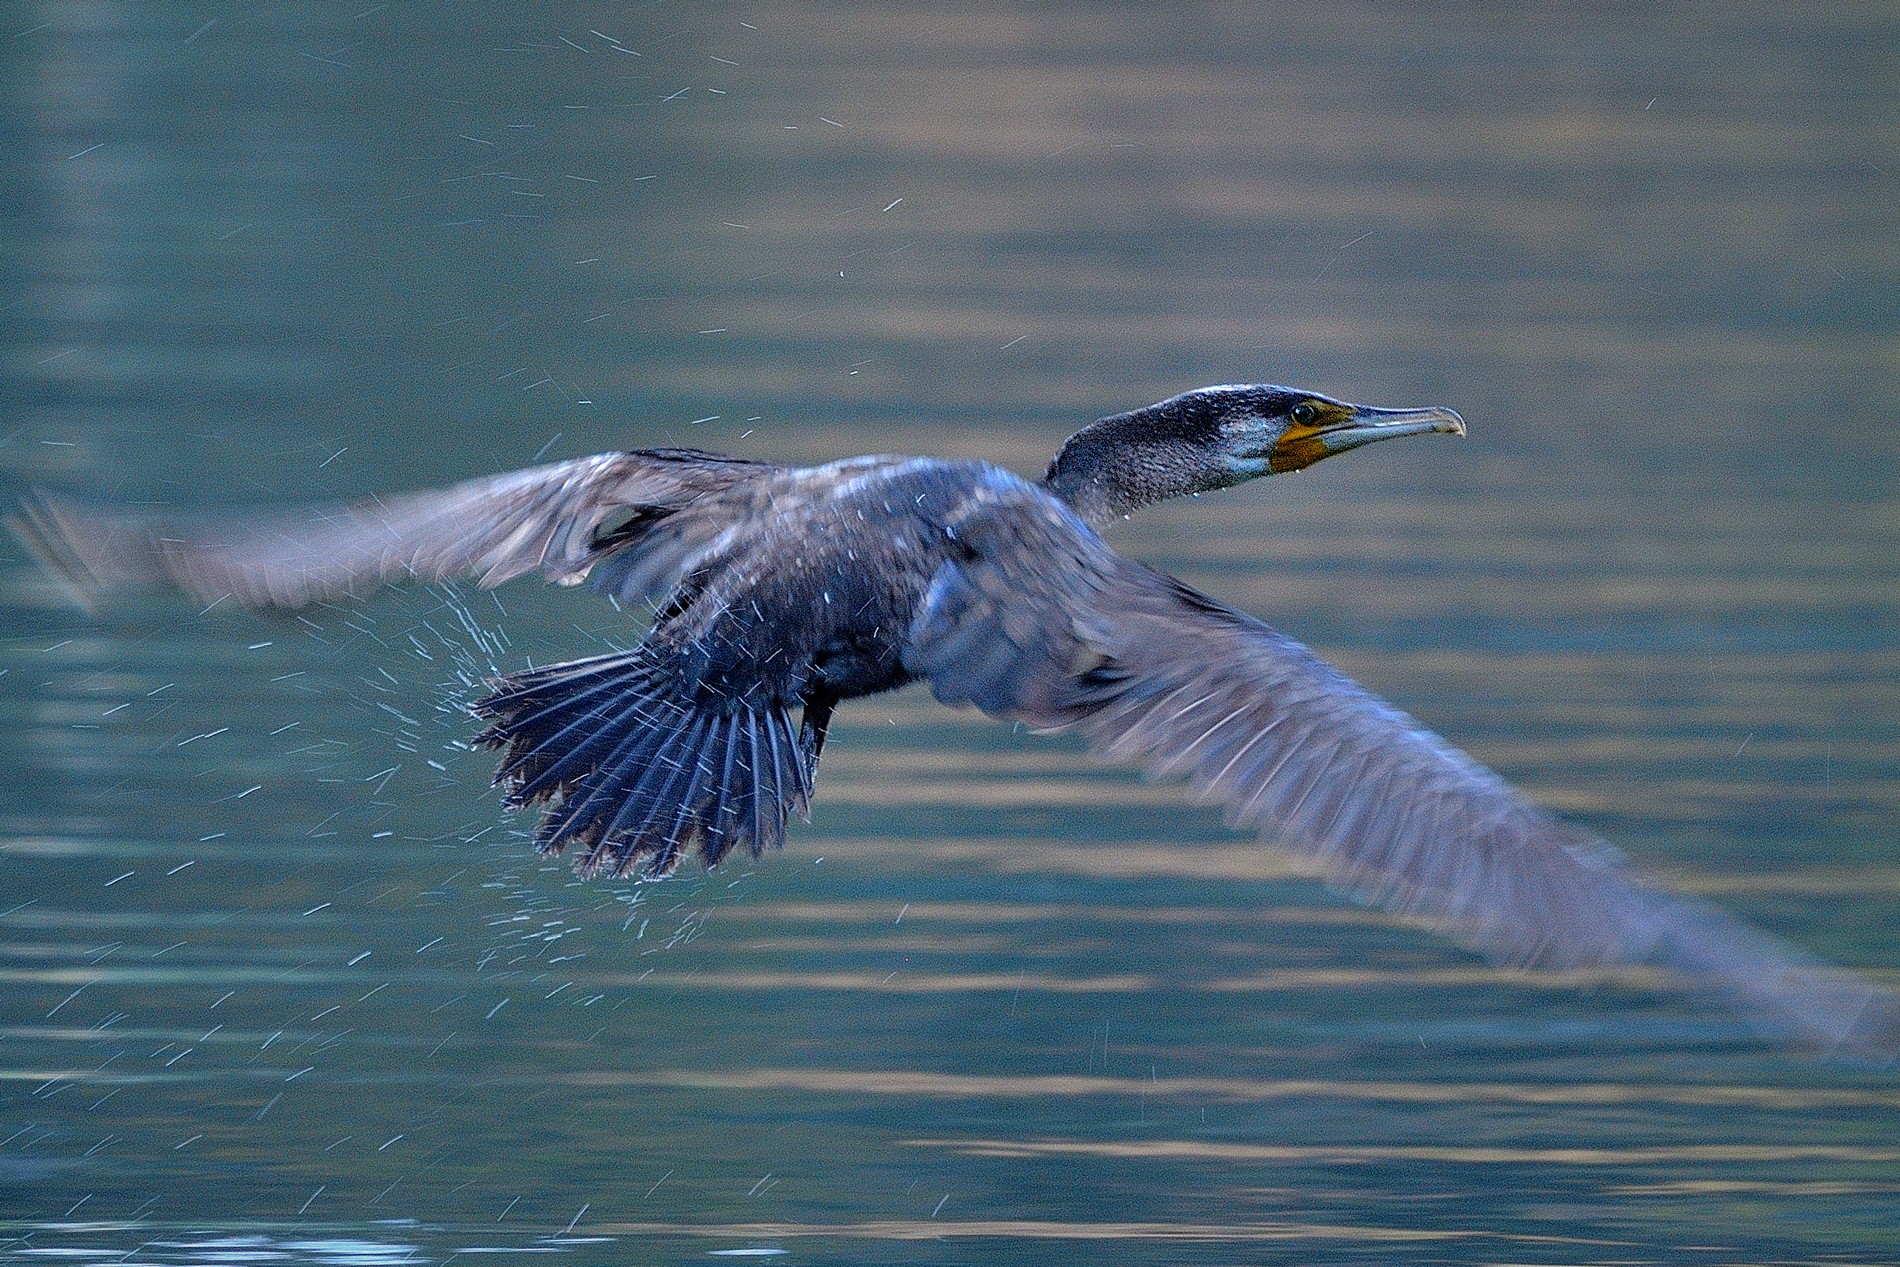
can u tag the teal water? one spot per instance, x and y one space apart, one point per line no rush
279 983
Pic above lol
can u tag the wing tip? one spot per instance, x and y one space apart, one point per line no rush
45 531
1847 1018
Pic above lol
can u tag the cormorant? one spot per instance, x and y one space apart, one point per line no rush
779 591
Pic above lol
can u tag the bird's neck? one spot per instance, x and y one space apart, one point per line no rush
1119 464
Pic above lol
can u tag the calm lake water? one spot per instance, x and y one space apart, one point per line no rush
281 984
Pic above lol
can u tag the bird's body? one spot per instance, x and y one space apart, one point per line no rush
807 593
776 598
777 593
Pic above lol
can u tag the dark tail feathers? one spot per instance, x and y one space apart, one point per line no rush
631 775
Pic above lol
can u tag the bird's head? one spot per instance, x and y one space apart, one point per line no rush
1215 437
1259 429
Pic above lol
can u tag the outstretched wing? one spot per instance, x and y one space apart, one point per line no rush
558 519
1038 620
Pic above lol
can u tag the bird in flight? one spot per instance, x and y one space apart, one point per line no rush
779 592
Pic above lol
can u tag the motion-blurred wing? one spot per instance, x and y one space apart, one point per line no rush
1040 621
558 519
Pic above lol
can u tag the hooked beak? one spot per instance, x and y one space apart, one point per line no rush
1353 425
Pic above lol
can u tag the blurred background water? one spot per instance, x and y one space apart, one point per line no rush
282 985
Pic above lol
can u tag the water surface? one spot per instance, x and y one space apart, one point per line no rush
280 982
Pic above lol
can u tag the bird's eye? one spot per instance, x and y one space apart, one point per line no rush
1303 413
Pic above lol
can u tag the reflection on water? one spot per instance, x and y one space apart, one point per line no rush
278 983
106 1242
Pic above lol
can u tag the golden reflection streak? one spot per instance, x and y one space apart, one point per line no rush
193 974
1665 799
920 1083
884 912
1357 1154
944 790
1246 860
1753 1187
905 981
1052 1230
1238 860
892 982
909 981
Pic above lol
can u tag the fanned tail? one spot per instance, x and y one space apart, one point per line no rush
632 775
